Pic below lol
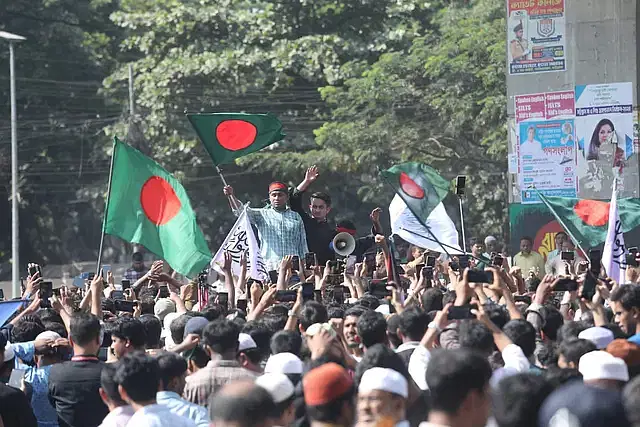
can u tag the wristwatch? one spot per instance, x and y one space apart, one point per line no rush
433 325
292 313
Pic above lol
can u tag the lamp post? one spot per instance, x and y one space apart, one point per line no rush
15 243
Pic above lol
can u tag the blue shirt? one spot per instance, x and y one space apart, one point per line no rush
179 406
38 378
634 339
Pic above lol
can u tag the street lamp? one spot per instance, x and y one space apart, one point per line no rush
15 244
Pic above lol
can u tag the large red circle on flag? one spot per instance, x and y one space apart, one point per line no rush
592 212
159 200
236 135
410 187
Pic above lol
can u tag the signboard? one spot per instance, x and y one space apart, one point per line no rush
536 36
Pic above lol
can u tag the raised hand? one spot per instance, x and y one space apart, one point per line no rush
375 215
228 190
311 174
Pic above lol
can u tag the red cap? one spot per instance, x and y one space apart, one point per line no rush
325 384
277 186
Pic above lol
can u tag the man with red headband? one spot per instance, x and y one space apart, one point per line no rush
280 230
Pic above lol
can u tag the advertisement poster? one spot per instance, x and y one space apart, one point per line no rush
605 134
536 38
547 159
545 106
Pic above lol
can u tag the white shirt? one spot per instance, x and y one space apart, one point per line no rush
514 362
158 416
407 346
531 148
119 417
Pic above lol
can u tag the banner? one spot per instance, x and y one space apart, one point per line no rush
613 255
536 37
242 240
547 159
605 135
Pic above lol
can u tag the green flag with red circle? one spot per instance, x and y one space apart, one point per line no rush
586 221
420 186
228 136
148 206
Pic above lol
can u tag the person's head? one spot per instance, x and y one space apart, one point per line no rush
138 378
602 369
416 251
286 342
127 335
459 384
382 394
220 337
27 329
320 205
625 302
432 300
526 245
278 195
372 329
567 245
491 243
350 326
552 321
571 330
242 404
85 334
519 31
531 133
285 363
197 358
109 387
249 355
328 395
413 324
282 391
522 334
474 335
137 261
195 325
152 329
173 371
380 356
312 312
261 333
517 399
571 350
393 330
49 315
602 132
559 238
477 246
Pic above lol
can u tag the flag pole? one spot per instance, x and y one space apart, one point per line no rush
434 238
444 245
106 206
232 202
464 238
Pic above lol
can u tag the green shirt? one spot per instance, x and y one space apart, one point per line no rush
527 262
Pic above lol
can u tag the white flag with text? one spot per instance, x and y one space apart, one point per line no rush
613 257
241 239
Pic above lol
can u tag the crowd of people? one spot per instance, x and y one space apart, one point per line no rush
406 337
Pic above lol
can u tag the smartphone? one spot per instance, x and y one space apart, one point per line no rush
497 261
589 285
55 292
317 295
122 305
350 265
477 276
286 296
463 262
565 284
273 276
462 312
522 298
241 304
431 261
310 261
370 262
630 259
595 260
164 291
307 291
46 290
34 269
338 294
105 270
126 284
295 262
117 295
15 380
461 182
223 299
567 256
2 294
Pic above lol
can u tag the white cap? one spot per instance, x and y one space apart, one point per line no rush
245 342
598 335
278 385
384 379
600 365
283 363
48 335
384 309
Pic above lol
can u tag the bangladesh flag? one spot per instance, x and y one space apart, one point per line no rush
148 206
227 136
586 221
420 187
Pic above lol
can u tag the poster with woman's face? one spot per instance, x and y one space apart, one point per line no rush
604 129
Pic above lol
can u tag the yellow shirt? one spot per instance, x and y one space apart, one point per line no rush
527 262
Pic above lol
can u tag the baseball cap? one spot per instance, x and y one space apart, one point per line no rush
284 363
600 365
578 405
325 384
245 342
195 325
163 307
598 335
277 186
278 385
384 379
